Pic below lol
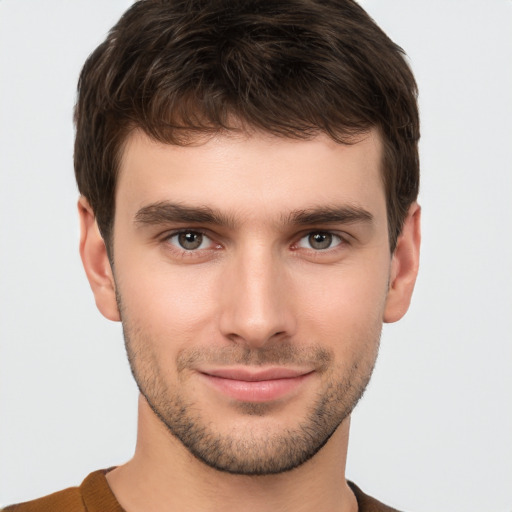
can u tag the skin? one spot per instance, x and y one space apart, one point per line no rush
258 294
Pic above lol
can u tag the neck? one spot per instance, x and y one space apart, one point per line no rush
164 476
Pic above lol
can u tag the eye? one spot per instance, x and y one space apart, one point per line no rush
320 241
190 240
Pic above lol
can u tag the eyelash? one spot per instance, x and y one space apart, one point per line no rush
189 252
340 239
334 238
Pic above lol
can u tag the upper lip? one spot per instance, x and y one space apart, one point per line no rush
254 375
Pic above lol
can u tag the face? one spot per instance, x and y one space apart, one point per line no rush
252 275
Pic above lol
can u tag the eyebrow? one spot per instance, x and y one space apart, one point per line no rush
346 214
167 212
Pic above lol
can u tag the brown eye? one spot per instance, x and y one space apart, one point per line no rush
188 240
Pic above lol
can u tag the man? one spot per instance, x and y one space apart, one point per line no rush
248 174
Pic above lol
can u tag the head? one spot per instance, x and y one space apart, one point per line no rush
181 70
248 172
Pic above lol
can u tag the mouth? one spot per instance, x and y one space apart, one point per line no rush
261 385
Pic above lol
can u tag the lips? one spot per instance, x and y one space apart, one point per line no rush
261 385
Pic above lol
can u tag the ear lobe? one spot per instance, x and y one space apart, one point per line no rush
404 267
96 263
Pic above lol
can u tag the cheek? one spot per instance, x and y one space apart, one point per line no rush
347 305
170 305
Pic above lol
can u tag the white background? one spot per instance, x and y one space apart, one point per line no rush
434 431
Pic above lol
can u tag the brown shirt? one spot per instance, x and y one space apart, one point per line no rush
94 495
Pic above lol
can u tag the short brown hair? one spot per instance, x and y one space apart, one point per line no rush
293 68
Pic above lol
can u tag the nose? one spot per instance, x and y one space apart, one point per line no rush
256 304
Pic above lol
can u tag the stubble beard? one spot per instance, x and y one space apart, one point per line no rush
244 452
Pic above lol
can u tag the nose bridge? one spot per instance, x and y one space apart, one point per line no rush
256 309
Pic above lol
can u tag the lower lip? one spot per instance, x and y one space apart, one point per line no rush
256 391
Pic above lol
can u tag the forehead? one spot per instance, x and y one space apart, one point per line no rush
252 175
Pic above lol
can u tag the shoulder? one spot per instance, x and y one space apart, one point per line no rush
69 500
367 503
93 495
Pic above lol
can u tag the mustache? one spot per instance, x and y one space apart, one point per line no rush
279 354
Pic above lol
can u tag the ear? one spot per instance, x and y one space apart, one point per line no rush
404 267
96 263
